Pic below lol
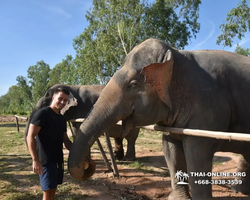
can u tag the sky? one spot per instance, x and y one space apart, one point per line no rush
31 31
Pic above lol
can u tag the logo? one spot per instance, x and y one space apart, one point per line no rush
181 176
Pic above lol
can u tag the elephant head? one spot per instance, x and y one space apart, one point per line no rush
131 96
72 101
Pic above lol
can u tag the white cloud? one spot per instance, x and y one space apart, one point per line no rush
59 11
241 43
211 33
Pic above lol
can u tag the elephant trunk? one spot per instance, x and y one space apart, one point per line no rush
80 166
100 119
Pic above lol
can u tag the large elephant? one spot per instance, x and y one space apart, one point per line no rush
86 96
204 89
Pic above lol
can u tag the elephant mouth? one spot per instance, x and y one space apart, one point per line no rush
127 124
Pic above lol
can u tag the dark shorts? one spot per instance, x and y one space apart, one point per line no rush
52 176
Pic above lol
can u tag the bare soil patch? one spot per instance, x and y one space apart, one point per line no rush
150 183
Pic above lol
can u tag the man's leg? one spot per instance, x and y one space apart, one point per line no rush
52 176
49 194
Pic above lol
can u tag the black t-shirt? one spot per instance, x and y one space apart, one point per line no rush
50 137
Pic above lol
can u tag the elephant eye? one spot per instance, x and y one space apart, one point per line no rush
133 84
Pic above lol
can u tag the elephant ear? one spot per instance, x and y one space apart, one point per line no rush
72 101
159 75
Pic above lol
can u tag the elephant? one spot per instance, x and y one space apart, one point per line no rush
159 84
86 96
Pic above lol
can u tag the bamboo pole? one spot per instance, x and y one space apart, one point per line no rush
201 133
111 153
197 132
104 155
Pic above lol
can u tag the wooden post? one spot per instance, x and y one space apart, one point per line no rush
104 155
116 173
17 124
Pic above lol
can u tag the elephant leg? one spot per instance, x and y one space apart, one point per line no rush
243 167
131 138
199 154
175 158
119 152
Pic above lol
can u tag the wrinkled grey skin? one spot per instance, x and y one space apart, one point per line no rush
207 90
81 101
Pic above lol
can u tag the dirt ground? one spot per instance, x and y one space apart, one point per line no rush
150 181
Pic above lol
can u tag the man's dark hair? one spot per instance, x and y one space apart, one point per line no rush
61 90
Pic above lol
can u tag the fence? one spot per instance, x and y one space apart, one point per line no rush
17 124
166 130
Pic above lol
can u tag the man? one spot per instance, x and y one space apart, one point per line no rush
46 135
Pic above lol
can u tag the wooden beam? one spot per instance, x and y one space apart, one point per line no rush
26 118
17 123
197 132
201 133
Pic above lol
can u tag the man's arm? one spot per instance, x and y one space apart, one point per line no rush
66 141
31 141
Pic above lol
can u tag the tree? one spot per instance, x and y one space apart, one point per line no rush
238 23
39 78
163 22
25 93
115 27
64 73
242 50
18 98
15 101
4 103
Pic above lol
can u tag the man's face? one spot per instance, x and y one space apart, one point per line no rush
59 100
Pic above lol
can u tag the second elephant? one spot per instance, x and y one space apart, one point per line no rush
86 96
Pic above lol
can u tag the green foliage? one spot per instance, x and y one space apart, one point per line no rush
103 45
4 103
18 99
115 27
162 21
39 78
242 51
25 94
238 23
12 102
64 73
21 98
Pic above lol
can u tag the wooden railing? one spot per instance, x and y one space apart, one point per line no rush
166 130
17 124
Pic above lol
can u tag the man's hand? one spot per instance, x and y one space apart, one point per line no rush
37 167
